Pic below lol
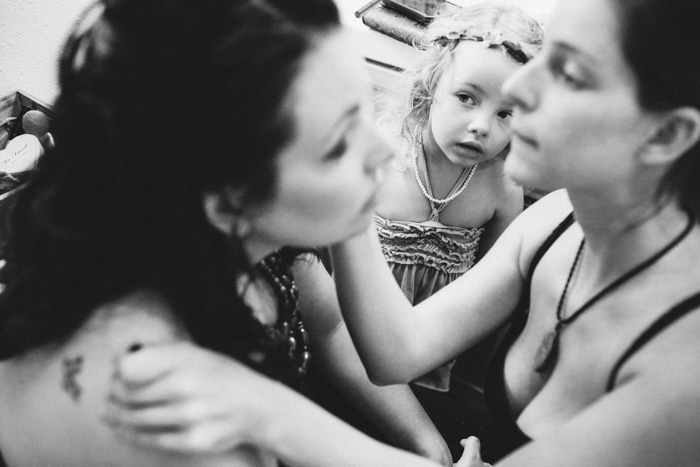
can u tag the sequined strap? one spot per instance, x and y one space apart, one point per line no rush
289 331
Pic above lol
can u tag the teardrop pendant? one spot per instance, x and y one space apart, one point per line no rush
547 350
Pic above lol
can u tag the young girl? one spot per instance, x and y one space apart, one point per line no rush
448 200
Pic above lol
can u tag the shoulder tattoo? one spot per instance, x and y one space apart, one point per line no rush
71 368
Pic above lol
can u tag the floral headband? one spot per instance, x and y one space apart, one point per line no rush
492 38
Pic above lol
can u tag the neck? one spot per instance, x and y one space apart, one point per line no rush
621 234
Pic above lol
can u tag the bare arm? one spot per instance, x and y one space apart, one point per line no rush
394 409
398 342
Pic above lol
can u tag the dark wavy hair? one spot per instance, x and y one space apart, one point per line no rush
661 42
161 101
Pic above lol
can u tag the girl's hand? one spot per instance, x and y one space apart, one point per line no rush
472 454
184 398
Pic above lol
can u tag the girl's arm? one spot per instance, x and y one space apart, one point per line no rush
509 204
398 342
394 409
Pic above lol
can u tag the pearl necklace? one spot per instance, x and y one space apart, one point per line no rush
414 156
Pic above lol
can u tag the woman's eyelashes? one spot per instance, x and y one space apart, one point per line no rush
565 70
338 150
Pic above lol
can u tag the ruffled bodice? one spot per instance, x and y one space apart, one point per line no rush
450 250
424 257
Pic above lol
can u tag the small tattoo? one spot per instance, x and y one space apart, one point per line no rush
71 368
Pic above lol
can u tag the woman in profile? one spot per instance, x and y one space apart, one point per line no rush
202 150
599 281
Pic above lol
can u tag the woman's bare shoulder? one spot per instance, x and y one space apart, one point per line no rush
543 216
51 398
531 228
142 317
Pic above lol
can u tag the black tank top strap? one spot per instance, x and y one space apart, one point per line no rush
556 233
686 306
508 436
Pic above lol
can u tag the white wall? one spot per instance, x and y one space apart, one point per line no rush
31 35
32 32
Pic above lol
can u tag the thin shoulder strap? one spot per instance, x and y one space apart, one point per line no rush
561 228
681 309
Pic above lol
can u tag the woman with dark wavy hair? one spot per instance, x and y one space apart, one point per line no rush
202 150
599 281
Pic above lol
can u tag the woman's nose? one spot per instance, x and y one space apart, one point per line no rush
518 90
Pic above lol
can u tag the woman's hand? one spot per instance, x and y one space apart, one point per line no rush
184 398
471 457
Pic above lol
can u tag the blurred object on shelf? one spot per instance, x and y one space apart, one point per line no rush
37 123
421 10
21 154
394 24
23 141
6 125
403 20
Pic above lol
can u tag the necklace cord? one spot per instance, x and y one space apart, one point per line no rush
547 352
620 280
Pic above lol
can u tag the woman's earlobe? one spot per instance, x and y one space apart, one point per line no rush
678 131
219 212
224 212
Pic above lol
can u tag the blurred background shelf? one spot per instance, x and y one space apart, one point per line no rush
387 57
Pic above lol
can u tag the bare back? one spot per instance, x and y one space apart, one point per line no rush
51 398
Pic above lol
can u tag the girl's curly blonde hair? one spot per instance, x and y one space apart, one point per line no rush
404 107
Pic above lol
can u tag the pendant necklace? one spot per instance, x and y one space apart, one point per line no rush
548 350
